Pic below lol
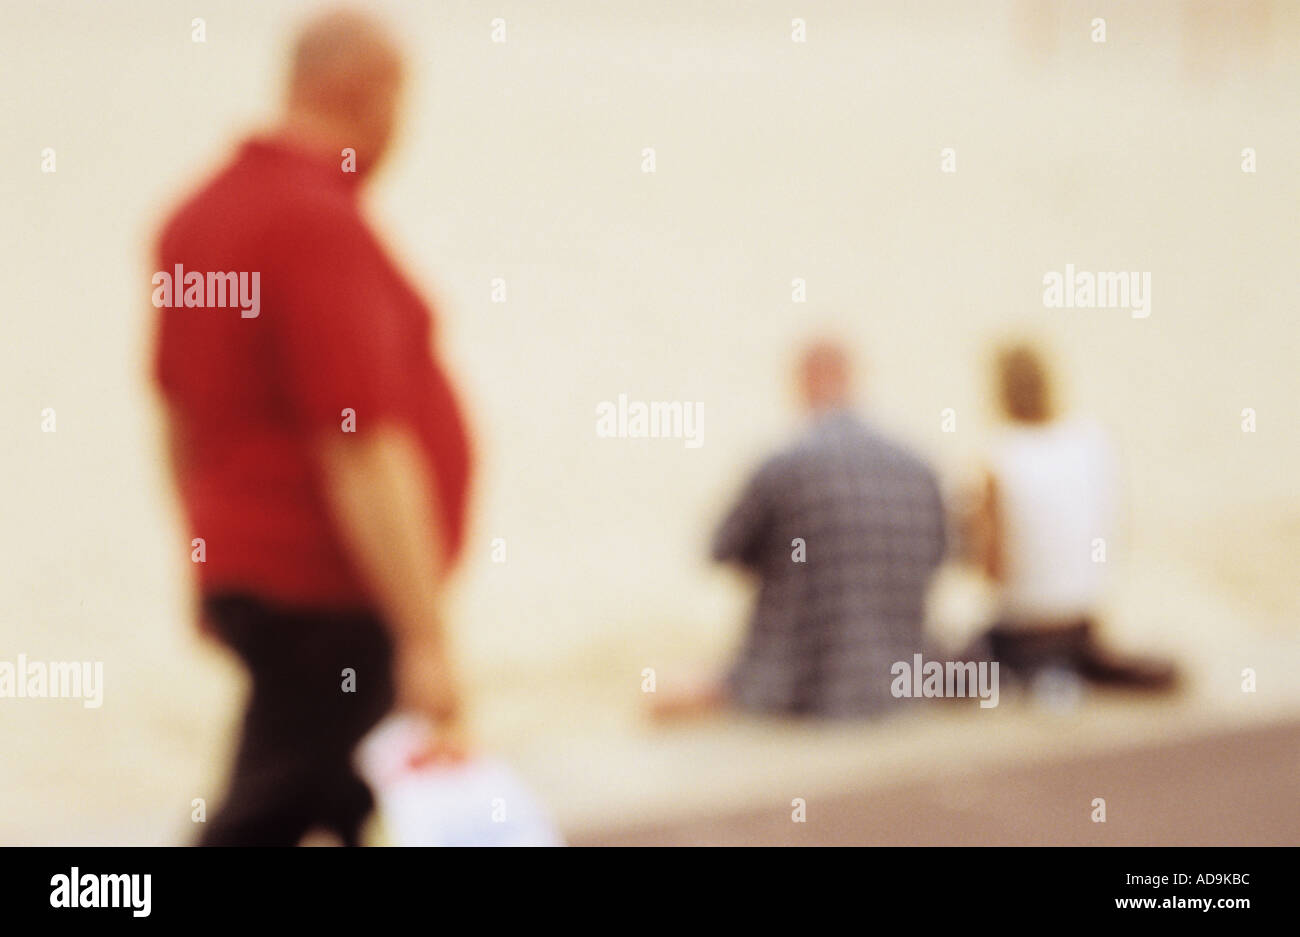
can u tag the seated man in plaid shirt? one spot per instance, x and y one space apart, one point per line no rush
843 530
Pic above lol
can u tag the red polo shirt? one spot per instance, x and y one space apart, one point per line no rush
339 329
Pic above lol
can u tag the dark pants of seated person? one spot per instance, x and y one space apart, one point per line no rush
293 767
1074 646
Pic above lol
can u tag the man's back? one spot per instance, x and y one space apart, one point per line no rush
826 629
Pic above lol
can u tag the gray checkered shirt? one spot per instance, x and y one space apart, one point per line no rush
826 631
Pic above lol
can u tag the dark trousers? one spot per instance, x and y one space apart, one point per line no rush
1074 646
293 766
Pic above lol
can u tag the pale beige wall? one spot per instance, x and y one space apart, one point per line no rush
775 160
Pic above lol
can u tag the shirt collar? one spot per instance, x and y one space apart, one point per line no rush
835 416
306 162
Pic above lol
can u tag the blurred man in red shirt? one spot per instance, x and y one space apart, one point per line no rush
319 450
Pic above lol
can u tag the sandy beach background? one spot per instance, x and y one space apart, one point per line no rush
775 160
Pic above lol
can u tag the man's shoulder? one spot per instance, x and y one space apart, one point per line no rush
300 212
254 202
779 464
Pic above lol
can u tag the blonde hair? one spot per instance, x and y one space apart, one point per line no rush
1024 385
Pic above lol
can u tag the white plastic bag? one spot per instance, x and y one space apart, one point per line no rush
478 802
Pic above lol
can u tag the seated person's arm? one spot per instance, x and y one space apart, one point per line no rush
985 530
739 538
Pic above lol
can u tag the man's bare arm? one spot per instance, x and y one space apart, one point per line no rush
377 488
175 444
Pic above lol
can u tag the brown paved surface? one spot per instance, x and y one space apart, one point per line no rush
1237 789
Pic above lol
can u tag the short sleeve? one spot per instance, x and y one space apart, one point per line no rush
338 325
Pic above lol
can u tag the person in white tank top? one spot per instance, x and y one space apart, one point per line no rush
1055 484
1047 513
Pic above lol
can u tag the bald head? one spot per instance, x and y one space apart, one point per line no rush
344 82
825 376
